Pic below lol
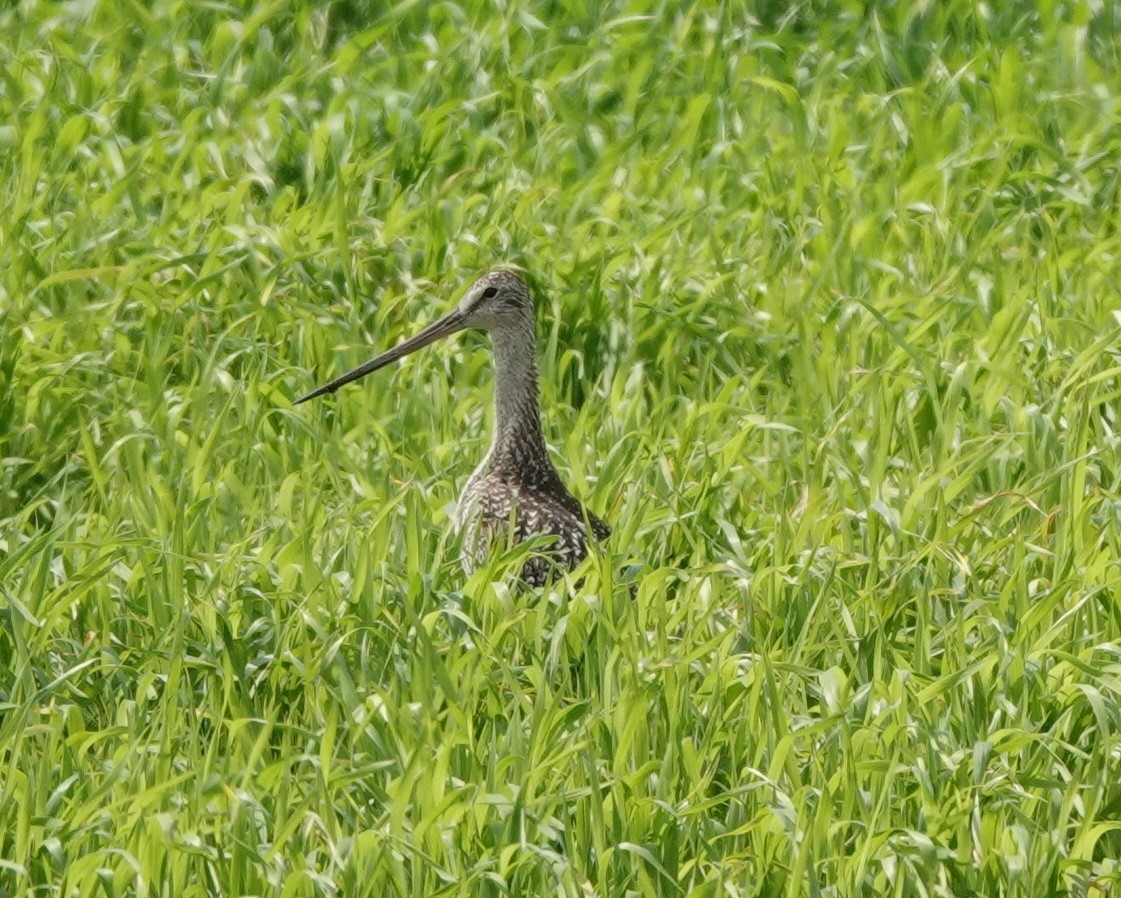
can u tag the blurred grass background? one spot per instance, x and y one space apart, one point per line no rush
829 308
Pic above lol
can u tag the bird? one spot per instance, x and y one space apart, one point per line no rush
515 494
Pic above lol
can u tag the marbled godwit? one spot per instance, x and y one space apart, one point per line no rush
516 492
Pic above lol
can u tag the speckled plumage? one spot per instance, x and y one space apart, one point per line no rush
515 494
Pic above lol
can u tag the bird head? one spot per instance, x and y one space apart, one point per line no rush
495 301
498 301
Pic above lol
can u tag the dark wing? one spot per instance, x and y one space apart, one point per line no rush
535 514
600 530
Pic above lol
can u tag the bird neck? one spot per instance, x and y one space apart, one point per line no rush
517 419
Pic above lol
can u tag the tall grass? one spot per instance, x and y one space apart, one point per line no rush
829 310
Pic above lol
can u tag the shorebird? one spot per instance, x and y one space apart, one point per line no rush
516 493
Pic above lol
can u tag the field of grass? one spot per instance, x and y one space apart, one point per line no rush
829 301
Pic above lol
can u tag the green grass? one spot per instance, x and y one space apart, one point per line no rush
830 311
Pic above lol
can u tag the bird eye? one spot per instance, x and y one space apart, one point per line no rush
490 293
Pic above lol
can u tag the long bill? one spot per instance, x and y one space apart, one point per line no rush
447 325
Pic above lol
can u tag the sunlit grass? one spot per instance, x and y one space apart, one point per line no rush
829 311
